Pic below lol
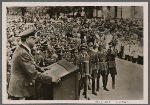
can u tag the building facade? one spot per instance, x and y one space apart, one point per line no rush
126 12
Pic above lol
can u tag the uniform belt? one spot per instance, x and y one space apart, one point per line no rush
111 63
103 66
102 62
93 63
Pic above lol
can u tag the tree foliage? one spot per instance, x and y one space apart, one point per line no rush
23 10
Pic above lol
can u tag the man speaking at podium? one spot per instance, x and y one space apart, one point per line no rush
24 70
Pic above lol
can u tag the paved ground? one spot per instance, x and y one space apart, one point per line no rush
129 83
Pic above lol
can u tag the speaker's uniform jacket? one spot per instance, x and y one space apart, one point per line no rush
24 74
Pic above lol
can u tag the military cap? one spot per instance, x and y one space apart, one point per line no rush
9 36
74 50
50 50
57 47
63 40
72 42
66 47
38 44
59 52
38 33
83 47
27 33
44 43
53 42
96 45
90 44
70 49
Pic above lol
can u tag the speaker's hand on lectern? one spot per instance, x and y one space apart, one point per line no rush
55 79
45 68
42 70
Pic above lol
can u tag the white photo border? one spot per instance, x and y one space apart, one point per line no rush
145 35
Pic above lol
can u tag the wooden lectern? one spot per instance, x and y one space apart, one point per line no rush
67 88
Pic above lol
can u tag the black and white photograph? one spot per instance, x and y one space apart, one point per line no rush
80 52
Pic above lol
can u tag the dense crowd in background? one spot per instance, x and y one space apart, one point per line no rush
62 31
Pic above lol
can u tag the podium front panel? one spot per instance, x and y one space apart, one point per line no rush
67 88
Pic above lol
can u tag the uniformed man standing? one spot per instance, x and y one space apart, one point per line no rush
50 59
111 67
93 69
140 53
131 51
74 56
103 67
118 47
126 51
23 71
83 56
60 54
38 58
135 55
43 52
122 50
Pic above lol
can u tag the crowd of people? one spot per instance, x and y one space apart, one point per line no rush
78 39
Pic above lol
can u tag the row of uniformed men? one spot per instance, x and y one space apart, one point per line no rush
101 62
91 62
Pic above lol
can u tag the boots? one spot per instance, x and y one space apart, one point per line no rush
113 86
89 87
105 78
113 82
94 93
93 87
98 84
105 88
